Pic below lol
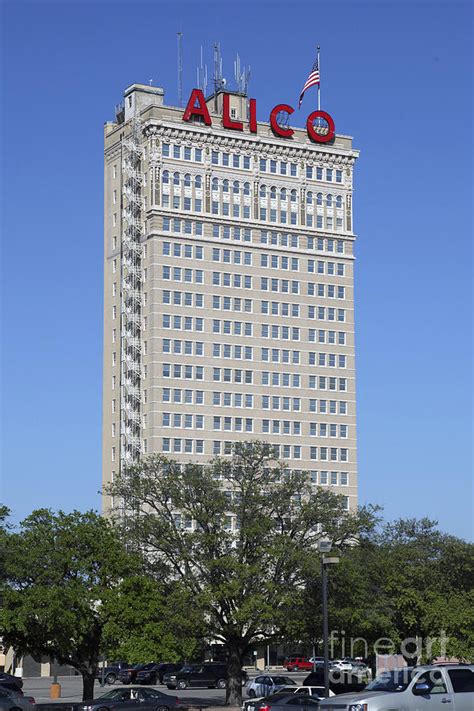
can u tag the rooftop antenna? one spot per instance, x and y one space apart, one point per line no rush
180 69
219 81
202 76
242 76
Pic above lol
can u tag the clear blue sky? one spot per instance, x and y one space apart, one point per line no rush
396 76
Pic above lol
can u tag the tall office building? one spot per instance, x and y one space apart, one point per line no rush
228 272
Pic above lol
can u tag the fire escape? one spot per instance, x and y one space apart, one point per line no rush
131 284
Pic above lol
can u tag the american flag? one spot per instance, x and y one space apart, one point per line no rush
312 79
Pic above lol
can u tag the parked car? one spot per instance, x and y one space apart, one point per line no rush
112 672
340 682
267 684
128 675
14 700
209 674
129 700
341 665
148 674
297 664
8 681
316 692
167 668
285 702
429 688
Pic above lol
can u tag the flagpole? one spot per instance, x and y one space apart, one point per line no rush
319 83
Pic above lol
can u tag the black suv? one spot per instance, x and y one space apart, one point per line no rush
210 674
167 668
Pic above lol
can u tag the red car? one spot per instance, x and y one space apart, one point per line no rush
297 664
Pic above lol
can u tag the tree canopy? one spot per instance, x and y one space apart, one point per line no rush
61 571
240 535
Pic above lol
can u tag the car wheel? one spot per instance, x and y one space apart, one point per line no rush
181 684
221 683
103 708
162 708
111 679
251 694
296 669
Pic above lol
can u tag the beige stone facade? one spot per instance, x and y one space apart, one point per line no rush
228 303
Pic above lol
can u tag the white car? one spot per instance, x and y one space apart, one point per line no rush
425 688
266 684
341 665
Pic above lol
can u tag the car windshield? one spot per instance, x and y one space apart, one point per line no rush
145 667
139 666
395 680
278 680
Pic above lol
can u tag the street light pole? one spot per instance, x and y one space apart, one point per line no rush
324 578
325 547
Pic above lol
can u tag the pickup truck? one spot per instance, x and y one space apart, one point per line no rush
447 687
111 673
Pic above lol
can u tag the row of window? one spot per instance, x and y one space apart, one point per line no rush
178 249
234 256
234 160
174 150
187 203
179 420
270 165
237 375
231 399
329 174
330 268
236 281
181 323
189 276
183 298
226 350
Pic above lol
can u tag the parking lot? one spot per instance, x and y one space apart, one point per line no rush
71 690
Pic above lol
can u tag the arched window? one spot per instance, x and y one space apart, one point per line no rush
215 183
225 186
273 192
187 181
293 196
319 199
263 191
198 181
309 198
175 178
166 177
339 201
283 195
246 188
236 187
328 200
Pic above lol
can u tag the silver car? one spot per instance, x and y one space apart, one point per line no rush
10 701
266 684
426 688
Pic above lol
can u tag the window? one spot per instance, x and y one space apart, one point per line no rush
462 680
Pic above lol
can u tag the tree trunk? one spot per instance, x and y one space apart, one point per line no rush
88 680
233 695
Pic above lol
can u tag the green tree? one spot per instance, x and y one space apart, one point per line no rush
240 535
147 620
404 581
61 569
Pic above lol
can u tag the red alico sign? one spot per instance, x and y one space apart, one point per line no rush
197 106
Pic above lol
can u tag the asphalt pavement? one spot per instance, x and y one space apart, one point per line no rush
71 690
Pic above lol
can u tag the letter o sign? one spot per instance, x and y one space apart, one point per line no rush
313 134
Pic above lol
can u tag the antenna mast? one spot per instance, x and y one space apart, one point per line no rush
180 69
